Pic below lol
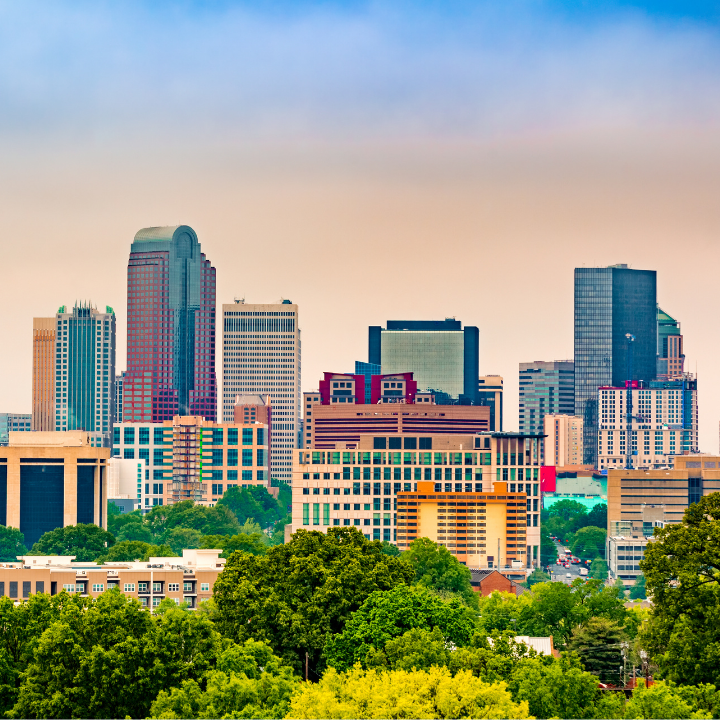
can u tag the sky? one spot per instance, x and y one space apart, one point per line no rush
369 161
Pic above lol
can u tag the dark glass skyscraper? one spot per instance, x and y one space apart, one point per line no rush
171 328
610 303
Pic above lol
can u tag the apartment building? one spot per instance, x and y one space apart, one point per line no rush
564 440
188 579
361 482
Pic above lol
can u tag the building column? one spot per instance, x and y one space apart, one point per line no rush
70 491
13 491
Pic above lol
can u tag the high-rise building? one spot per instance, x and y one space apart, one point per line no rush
611 303
443 356
563 443
15 422
670 357
171 328
43 377
490 394
545 387
664 424
119 390
367 370
85 371
261 356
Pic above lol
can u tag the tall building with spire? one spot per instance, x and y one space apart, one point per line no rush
171 328
43 374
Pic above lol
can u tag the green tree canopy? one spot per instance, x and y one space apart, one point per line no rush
637 591
85 541
598 569
598 645
597 517
299 592
132 550
254 544
256 503
437 568
588 543
181 538
388 614
548 549
12 544
537 576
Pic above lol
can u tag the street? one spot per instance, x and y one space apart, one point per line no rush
559 573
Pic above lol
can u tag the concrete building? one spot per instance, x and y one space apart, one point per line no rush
670 355
126 482
171 328
13 422
85 370
564 440
365 479
664 423
188 579
581 484
610 303
490 394
190 458
50 480
261 356
641 500
545 388
43 374
443 356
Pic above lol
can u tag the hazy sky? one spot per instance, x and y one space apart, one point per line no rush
369 161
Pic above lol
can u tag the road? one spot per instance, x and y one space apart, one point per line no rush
559 573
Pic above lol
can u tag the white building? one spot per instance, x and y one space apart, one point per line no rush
564 441
664 424
261 355
126 482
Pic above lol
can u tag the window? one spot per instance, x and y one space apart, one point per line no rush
70 588
130 587
247 436
143 436
306 513
187 587
142 587
98 587
247 458
129 453
232 457
156 601
204 587
173 587
157 587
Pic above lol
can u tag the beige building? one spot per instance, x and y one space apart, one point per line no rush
564 440
490 394
359 484
43 374
641 500
187 579
50 480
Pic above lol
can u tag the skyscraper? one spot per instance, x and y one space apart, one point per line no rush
443 356
85 370
611 303
43 377
490 394
171 328
671 359
261 356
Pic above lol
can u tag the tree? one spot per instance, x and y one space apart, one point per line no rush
597 517
180 539
388 614
597 643
598 569
256 503
436 567
12 544
85 541
132 550
254 544
637 591
135 531
299 592
682 569
537 576
589 543
277 536
117 521
390 549
661 700
404 693
548 549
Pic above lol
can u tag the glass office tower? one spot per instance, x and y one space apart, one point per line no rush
443 356
611 302
171 328
545 388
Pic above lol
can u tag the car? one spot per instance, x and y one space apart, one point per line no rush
568 575
559 562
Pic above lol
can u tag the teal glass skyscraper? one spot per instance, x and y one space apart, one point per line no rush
85 371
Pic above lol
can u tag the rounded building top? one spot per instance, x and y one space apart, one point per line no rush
165 232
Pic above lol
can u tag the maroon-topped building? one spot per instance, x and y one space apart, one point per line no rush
171 328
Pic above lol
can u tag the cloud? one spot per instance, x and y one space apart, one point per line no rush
323 71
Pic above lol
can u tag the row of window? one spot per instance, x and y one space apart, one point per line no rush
212 436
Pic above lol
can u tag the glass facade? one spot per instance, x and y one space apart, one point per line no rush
609 303
171 328
368 370
545 388
42 495
86 494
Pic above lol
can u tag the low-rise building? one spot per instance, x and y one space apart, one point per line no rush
188 579
579 483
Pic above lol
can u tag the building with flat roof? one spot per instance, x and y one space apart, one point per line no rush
188 579
443 355
564 440
490 394
610 303
52 479
13 422
581 484
43 374
670 354
365 479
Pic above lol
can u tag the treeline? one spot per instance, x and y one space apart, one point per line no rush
248 519
377 634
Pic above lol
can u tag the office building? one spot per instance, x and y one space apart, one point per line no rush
190 458
366 478
188 579
261 356
670 356
490 394
564 440
119 390
253 408
641 500
17 422
126 483
171 328
43 374
443 356
664 424
52 479
367 370
85 371
611 303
